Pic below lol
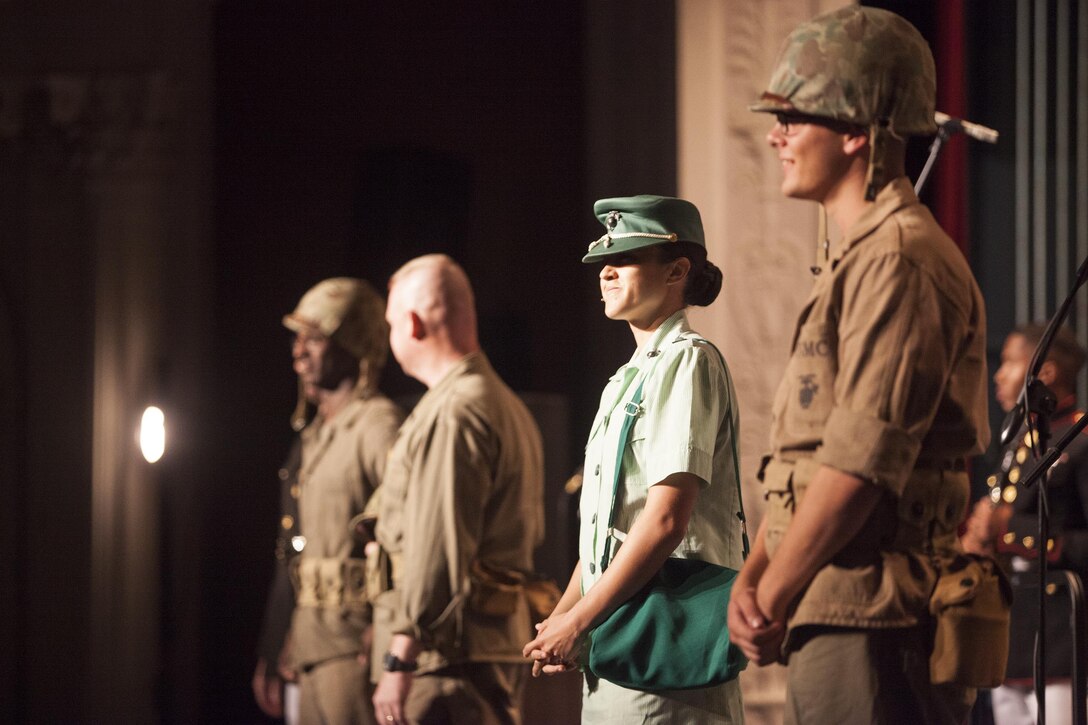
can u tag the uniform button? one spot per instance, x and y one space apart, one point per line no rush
298 543
295 491
592 568
284 473
287 521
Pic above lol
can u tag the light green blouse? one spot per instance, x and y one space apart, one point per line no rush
682 426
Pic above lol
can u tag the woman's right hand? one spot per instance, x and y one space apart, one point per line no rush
557 646
570 598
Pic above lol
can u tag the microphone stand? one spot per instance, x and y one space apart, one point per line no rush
944 132
1036 404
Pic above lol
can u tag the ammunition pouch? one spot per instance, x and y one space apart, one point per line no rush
330 583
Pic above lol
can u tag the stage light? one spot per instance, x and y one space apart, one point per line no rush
153 434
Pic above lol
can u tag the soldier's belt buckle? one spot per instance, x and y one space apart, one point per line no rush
632 409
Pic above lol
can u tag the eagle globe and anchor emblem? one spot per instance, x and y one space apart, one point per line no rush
808 390
612 220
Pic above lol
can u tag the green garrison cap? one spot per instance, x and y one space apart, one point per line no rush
634 222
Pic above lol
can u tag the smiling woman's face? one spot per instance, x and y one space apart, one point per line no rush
634 285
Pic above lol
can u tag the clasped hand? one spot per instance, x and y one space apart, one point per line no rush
557 647
758 637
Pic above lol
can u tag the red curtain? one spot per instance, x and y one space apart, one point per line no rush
950 175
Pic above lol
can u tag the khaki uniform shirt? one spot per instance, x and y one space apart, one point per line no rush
464 484
886 381
342 464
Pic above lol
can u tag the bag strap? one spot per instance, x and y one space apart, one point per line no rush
632 409
630 412
734 432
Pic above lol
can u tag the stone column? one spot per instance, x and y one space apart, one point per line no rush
763 242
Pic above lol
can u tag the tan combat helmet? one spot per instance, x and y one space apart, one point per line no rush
352 314
859 65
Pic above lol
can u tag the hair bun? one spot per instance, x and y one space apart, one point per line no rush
704 285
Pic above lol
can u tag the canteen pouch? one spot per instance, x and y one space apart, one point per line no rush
970 607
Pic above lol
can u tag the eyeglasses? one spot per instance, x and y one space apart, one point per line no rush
789 123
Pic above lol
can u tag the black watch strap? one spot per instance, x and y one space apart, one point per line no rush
392 663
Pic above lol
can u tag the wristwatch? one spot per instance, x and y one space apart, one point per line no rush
392 663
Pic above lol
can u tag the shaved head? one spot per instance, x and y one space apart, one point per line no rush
433 293
437 289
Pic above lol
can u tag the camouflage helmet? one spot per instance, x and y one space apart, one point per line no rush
352 314
860 65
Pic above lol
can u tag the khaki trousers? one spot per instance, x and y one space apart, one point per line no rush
474 693
334 692
863 676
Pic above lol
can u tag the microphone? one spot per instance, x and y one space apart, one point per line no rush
957 125
1011 425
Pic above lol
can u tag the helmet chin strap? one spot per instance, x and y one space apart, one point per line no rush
822 241
879 130
874 177
367 382
298 415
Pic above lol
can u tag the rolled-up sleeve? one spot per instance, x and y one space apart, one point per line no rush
894 361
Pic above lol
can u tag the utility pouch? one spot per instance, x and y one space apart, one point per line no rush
379 574
496 592
542 594
970 606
